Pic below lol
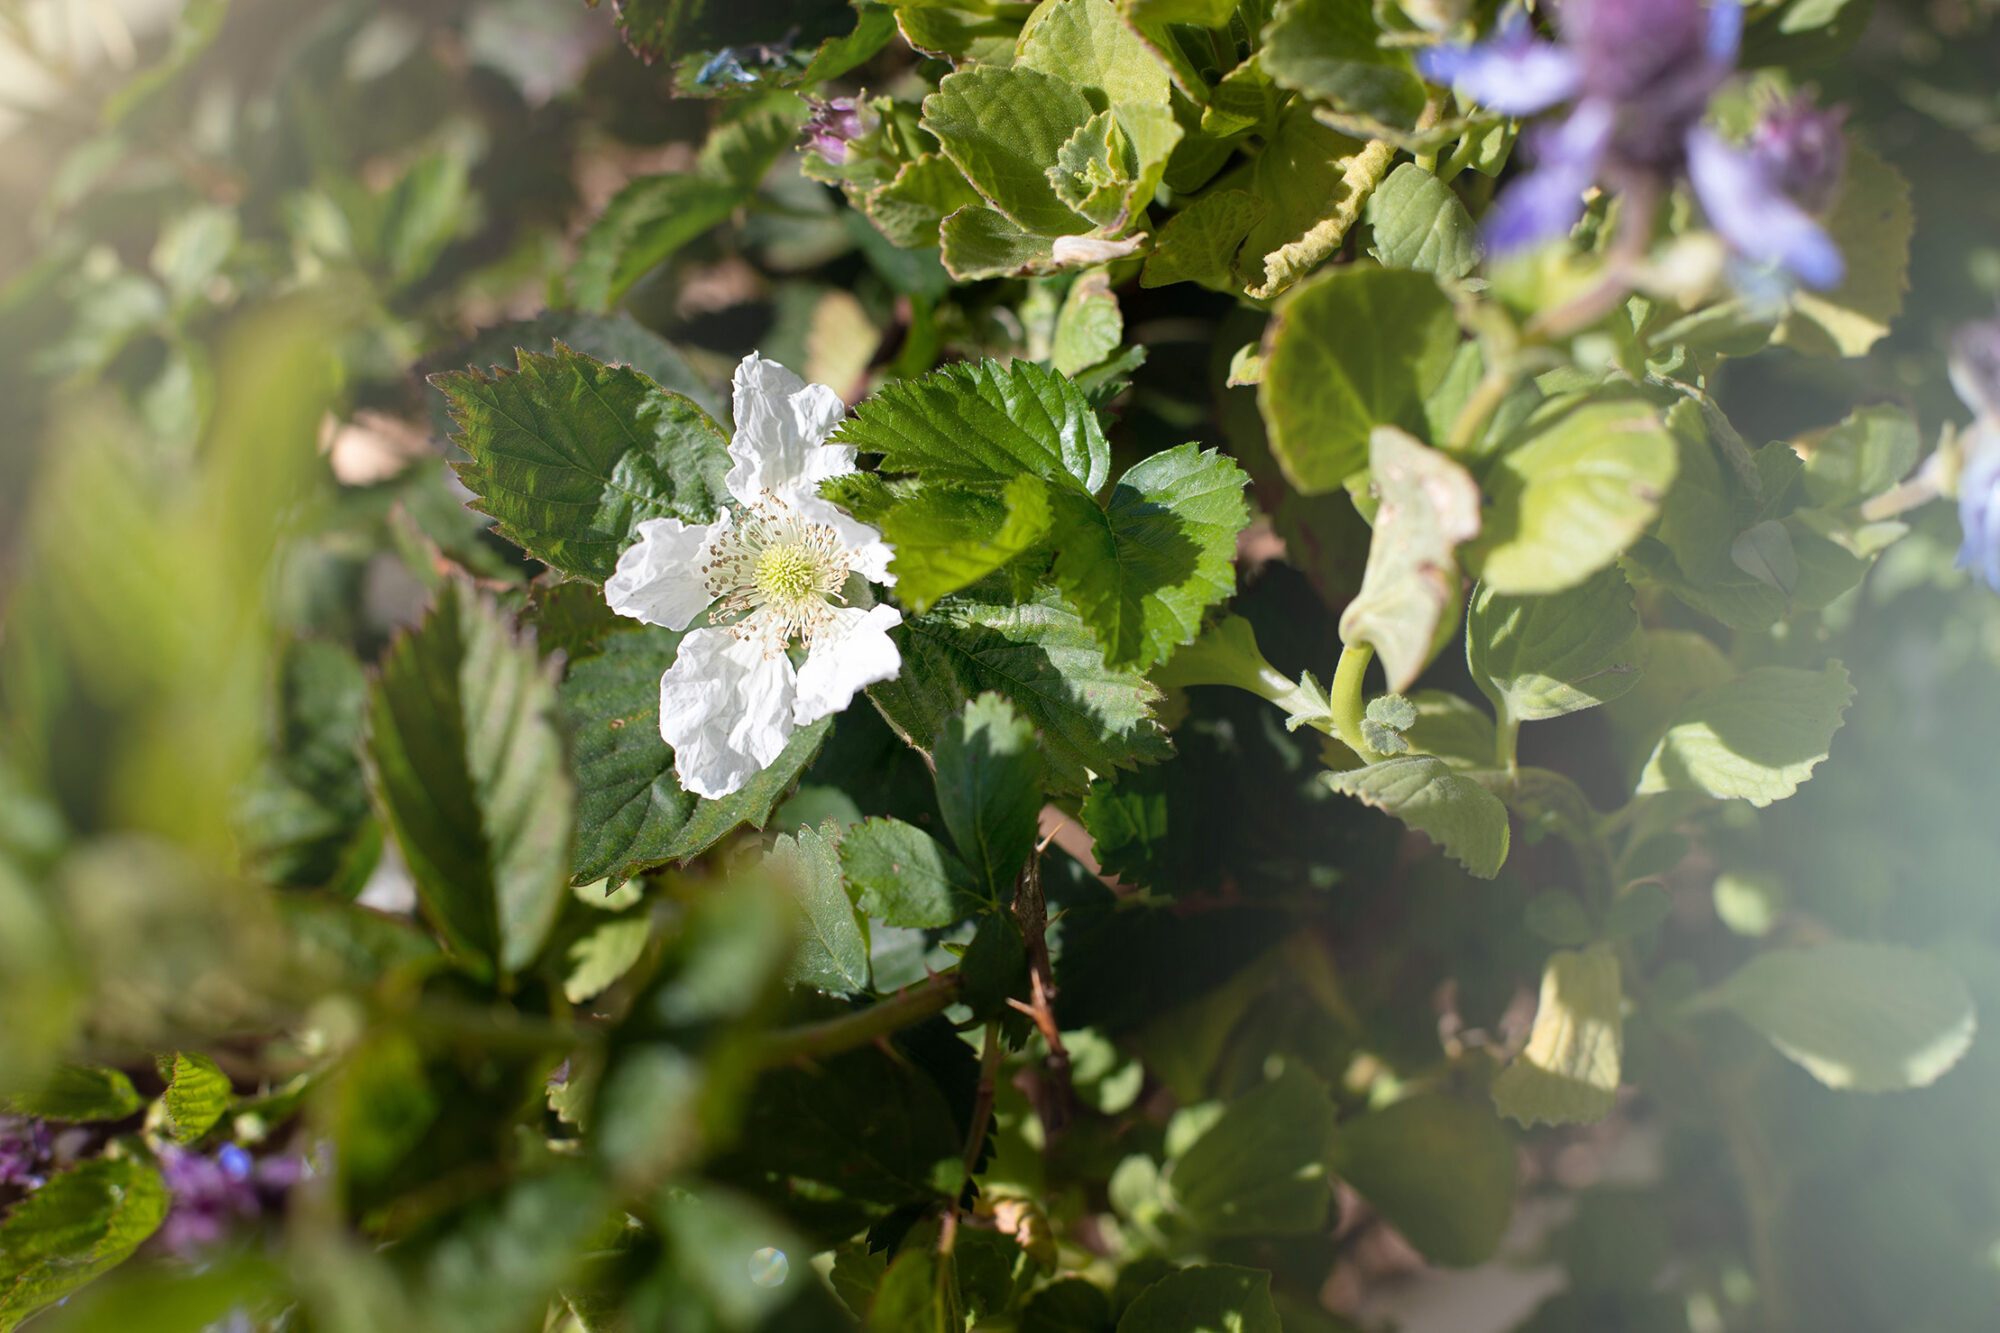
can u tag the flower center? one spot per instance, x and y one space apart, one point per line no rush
777 572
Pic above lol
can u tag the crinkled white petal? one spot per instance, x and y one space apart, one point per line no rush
726 707
867 554
781 423
659 577
852 652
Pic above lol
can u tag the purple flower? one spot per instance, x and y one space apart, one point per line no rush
212 1194
24 1149
1803 150
1639 75
1975 373
836 124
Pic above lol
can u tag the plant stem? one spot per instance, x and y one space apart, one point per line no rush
1345 701
1507 736
912 1004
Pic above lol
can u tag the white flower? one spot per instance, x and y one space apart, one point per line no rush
785 566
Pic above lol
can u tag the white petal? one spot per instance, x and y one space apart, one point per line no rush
726 708
659 577
867 554
852 652
781 422
1075 251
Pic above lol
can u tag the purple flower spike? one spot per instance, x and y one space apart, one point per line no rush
1975 374
1746 206
1545 203
24 1150
1975 367
1516 74
212 1195
835 124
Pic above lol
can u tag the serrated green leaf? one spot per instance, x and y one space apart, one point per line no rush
1427 506
1087 44
949 537
1093 718
1089 326
1205 1298
615 339
1450 809
1260 1169
915 1298
79 1224
633 814
995 968
833 952
924 192
1452 728
1329 50
1144 568
980 242
989 789
468 763
1864 455
1418 223
569 455
80 1093
1542 657
197 1095
604 955
1002 127
1756 737
984 422
1356 349
1567 501
1569 1072
1316 181
1872 224
1199 243
902 877
1440 1170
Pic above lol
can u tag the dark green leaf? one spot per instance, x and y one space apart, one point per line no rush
81 1223
1440 1170
1261 1168
833 953
1329 50
995 967
80 1093
1207 1298
1199 243
989 787
902 877
1067 1305
949 537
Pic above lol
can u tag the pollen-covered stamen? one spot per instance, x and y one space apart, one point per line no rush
777 572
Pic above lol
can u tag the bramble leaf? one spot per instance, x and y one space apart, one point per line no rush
1203 1297
903 877
197 1094
989 776
833 949
82 1222
1260 1169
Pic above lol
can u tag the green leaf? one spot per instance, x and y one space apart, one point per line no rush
1449 808
915 1298
1756 737
1556 916
1260 1169
1542 657
467 760
1453 729
1568 1074
981 242
82 1222
995 968
1329 50
1866 454
949 537
1199 243
1419 223
570 455
604 955
1316 181
632 814
1089 326
1003 127
975 33
197 1095
989 788
833 950
1872 224
1637 910
1440 1170
1865 1017
984 422
1565 503
1205 1298
1093 718
615 339
1427 506
925 191
1067 1305
1356 349
902 877
1087 44
1144 568
80 1093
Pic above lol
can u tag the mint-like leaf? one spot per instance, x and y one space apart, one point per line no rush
1449 808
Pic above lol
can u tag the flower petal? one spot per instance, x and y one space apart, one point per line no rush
1544 204
659 578
1749 210
726 708
781 423
1515 74
852 652
1978 513
867 554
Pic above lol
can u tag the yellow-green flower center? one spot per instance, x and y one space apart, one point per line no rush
787 573
776 572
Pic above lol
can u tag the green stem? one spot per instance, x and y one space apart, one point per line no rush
1462 153
1507 737
912 1004
1346 702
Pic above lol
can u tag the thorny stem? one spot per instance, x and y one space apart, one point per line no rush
1345 701
982 1104
912 1004
1031 911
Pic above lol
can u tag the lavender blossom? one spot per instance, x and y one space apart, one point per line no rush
837 123
24 1150
1639 75
212 1194
1975 373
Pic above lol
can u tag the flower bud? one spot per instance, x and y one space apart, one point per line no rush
837 123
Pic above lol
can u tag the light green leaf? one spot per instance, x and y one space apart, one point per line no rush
1086 43
1420 224
986 243
1260 1169
1568 1074
984 422
633 814
467 762
949 537
1450 809
1089 326
604 955
1144 568
1865 1017
1199 243
926 190
1872 224
82 1222
1864 455
1226 653
1440 1170
1427 506
1199 13
1756 737
1356 349
1093 718
974 34
197 1095
1542 657
1316 180
989 776
1677 665
1206 1298
1003 127
1566 502
1452 728
80 1093
833 951
902 877
569 455
1329 50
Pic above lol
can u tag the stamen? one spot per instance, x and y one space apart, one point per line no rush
777 573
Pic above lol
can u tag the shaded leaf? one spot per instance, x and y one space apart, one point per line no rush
1440 1170
902 877
833 951
989 789
1260 1169
1205 1298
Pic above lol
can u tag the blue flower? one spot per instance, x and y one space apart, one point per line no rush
1975 374
1638 75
